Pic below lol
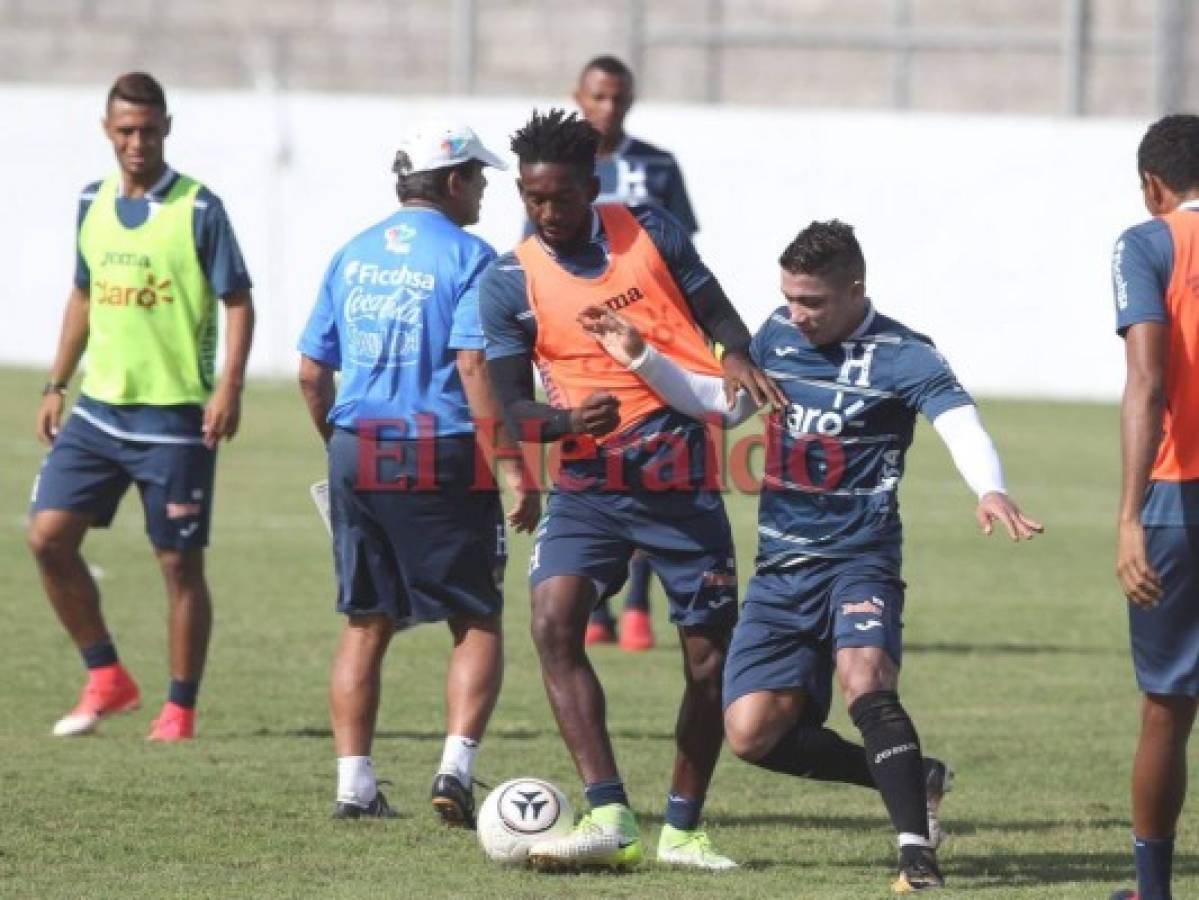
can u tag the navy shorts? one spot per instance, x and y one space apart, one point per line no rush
426 553
88 470
684 535
1165 639
795 619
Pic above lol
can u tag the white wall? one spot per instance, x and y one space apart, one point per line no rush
991 234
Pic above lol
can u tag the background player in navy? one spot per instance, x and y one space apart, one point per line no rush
1155 268
398 317
827 593
642 260
636 173
155 251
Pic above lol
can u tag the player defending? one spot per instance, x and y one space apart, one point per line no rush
1155 267
613 495
398 316
827 594
155 251
632 172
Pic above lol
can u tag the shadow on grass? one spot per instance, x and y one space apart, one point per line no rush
952 648
509 734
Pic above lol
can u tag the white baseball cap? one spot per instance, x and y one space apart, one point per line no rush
436 145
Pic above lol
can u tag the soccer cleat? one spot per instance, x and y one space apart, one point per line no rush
598 633
938 782
605 838
917 871
376 809
453 801
636 631
175 723
690 848
108 691
1125 894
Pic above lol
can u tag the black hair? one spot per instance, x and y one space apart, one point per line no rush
1170 150
557 137
827 249
609 65
140 88
430 185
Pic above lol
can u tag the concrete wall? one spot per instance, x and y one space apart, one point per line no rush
991 234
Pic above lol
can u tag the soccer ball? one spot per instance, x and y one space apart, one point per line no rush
520 813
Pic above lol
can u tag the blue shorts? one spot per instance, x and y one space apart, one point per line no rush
424 554
1165 639
684 535
88 470
796 619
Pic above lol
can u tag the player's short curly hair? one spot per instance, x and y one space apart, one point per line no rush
557 137
1170 150
827 249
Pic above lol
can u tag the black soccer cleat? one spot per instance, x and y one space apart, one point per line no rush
376 809
917 871
453 801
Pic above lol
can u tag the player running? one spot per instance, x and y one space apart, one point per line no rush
155 251
398 317
1155 269
827 595
633 172
617 437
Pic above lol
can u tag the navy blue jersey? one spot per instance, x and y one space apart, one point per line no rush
835 455
503 293
638 173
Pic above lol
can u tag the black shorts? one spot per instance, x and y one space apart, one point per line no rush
425 551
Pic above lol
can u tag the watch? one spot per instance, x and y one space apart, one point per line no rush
55 387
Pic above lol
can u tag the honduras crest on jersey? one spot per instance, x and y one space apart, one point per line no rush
835 454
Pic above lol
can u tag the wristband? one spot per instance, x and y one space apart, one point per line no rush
55 387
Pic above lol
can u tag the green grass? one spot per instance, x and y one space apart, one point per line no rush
1016 670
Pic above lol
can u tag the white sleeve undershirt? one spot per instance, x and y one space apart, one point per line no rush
690 393
972 450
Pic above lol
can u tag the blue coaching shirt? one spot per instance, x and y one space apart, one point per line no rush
835 455
223 266
1142 267
396 303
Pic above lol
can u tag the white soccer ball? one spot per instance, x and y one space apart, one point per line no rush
518 814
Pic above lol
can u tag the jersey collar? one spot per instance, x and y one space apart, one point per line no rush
866 322
158 190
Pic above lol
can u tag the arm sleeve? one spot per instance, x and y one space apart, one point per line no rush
1142 261
925 380
525 418
692 394
466 330
717 317
972 450
216 244
83 275
320 339
677 200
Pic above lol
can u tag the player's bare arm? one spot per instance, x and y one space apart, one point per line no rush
72 341
1145 348
222 413
317 386
524 513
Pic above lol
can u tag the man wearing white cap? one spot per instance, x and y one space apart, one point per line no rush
417 536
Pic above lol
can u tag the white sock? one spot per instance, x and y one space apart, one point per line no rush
907 839
356 782
458 758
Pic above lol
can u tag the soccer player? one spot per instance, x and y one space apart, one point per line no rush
415 537
1155 269
622 486
155 251
827 595
633 172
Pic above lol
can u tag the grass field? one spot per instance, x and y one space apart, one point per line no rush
1016 670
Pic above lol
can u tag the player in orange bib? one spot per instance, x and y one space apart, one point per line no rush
633 476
